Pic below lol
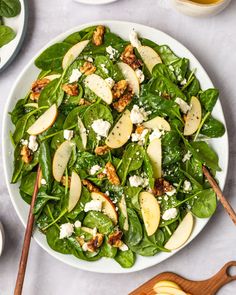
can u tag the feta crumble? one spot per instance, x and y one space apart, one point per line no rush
183 105
140 137
183 82
156 133
187 156
68 134
138 115
170 214
77 224
43 181
94 169
110 82
85 247
105 70
171 193
24 142
140 75
124 247
111 51
136 181
133 37
94 205
66 230
33 145
75 75
101 127
187 186
94 231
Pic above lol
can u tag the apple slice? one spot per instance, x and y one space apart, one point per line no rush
150 211
130 76
149 57
108 208
154 152
82 132
75 191
52 77
100 87
45 121
121 132
166 284
61 159
157 123
169 290
194 117
182 233
123 209
73 53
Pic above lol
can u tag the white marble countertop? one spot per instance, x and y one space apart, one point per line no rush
213 42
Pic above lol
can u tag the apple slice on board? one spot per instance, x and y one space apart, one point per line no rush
194 117
130 76
82 132
121 132
149 57
182 233
61 159
154 152
169 290
75 191
150 211
45 121
73 53
157 123
108 208
167 284
123 209
100 87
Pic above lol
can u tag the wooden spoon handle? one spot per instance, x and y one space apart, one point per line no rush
27 240
219 194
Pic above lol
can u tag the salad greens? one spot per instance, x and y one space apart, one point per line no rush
118 131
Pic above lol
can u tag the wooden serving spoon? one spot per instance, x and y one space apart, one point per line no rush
27 239
206 287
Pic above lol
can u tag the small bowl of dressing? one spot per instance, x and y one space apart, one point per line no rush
200 8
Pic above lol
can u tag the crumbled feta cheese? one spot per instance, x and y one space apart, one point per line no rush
68 134
24 142
110 82
107 193
85 247
138 115
179 78
183 82
90 59
43 181
156 133
166 198
136 181
183 105
94 205
111 51
140 75
94 231
171 193
187 156
101 127
170 214
133 37
140 137
66 230
75 75
33 145
124 247
187 185
94 169
105 70
77 224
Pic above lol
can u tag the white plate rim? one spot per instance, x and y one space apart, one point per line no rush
110 267
95 2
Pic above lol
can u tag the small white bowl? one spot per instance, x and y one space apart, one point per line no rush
2 238
200 10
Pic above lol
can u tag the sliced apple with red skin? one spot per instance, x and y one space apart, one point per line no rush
100 87
75 191
157 123
130 76
52 77
82 132
169 290
108 208
194 117
182 233
61 159
154 151
123 209
121 132
150 210
73 53
166 283
149 57
45 121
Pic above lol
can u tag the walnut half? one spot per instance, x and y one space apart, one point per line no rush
114 239
162 186
130 58
26 154
88 68
70 89
90 186
98 35
102 150
37 87
111 174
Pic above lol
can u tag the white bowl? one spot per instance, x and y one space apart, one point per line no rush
21 87
200 10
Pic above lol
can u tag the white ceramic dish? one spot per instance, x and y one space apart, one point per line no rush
95 2
21 87
2 238
19 23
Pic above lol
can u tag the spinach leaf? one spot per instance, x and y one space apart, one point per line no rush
27 183
107 250
99 220
57 244
147 166
6 35
45 162
76 37
208 98
135 232
72 117
9 8
125 258
18 165
51 93
171 148
212 128
84 198
205 204
132 197
41 201
163 70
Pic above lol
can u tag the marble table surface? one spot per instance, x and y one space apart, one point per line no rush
213 41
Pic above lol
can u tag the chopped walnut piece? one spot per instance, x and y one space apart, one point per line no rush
111 174
165 95
84 102
63 181
119 89
102 150
122 103
101 175
130 58
37 87
139 129
98 35
70 89
26 154
90 186
114 239
88 68
162 186
95 243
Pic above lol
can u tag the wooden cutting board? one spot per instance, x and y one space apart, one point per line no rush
206 287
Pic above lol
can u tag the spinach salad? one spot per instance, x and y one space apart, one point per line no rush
118 129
